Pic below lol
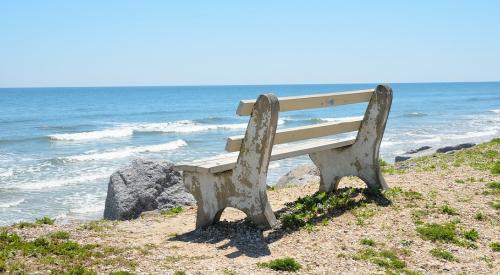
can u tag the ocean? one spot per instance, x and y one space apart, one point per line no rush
58 146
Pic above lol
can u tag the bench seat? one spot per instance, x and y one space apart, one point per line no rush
225 163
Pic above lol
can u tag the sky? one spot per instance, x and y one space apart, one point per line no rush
139 43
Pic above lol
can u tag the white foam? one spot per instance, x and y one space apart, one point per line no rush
108 133
329 119
127 151
6 173
39 185
274 165
496 111
11 203
185 126
469 135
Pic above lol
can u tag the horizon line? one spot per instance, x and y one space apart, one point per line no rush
228 85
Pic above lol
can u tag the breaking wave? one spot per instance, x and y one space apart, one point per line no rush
126 152
108 133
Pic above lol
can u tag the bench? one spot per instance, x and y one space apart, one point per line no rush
239 181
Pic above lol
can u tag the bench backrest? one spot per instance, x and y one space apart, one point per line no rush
295 103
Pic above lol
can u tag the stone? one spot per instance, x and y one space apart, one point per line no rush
144 185
456 147
414 151
401 158
298 176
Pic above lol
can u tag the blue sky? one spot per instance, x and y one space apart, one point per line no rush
106 43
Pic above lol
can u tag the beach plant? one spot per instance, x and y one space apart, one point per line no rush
79 270
45 220
495 246
368 242
386 259
121 273
471 235
180 272
311 208
493 188
59 235
480 216
282 264
442 254
438 232
448 210
172 211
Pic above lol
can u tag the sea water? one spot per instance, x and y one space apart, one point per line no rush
58 146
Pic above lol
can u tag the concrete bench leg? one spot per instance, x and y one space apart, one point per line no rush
244 187
361 158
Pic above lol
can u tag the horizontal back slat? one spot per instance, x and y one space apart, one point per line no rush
305 132
294 103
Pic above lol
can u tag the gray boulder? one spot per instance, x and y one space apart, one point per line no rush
414 151
456 147
144 185
299 175
401 158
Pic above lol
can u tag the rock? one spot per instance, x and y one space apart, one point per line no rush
299 175
456 147
401 158
414 151
144 185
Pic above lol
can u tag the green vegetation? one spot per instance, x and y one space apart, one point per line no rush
79 270
306 210
96 226
384 258
448 210
395 192
484 157
493 188
368 242
471 235
180 272
417 216
121 273
284 264
495 205
480 216
495 246
45 220
59 235
172 211
447 233
442 254
438 232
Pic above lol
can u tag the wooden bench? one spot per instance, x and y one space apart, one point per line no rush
239 181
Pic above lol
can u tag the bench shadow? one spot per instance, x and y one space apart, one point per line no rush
253 241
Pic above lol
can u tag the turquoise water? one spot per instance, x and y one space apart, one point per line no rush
58 146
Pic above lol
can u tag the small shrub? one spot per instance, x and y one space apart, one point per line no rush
442 254
180 272
172 211
26 225
448 210
284 264
495 246
459 181
368 242
480 216
121 273
80 270
45 220
59 235
495 170
471 235
494 188
438 232
384 258
495 205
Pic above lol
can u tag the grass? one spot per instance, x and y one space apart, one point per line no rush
480 216
180 272
448 210
38 222
386 259
442 254
495 204
59 235
495 246
304 210
121 273
283 264
471 235
172 211
438 232
368 242
493 188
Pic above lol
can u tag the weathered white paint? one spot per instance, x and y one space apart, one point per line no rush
241 182
293 103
